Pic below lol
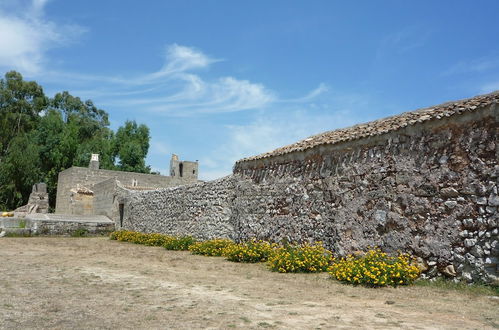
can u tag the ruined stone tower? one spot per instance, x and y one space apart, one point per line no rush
183 169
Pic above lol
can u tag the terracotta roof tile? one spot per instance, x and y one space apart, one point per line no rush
384 125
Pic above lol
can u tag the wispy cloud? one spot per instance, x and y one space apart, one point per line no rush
321 89
180 59
402 41
26 35
478 65
182 86
270 131
179 89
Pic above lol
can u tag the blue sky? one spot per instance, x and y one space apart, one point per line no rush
217 81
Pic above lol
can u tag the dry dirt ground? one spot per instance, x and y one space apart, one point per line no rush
74 283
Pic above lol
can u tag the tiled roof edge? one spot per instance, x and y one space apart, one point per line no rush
384 125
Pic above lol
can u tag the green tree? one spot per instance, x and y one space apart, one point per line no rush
68 133
87 125
40 137
19 170
130 147
20 105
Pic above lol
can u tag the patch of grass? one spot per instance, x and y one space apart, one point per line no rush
265 325
80 232
22 224
245 319
474 289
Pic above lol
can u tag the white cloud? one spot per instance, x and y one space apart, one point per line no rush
267 133
321 89
26 36
182 58
173 90
478 65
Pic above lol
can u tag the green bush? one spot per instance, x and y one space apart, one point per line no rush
154 239
80 232
214 247
305 258
181 243
138 238
251 251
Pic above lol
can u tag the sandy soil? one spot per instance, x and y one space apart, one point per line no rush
74 283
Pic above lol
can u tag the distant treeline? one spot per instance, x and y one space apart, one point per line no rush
41 136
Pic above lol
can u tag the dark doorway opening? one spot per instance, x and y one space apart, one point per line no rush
122 213
181 169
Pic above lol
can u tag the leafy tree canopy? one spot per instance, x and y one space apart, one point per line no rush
131 145
41 136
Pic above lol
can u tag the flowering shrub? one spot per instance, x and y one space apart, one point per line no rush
214 247
251 251
140 238
180 243
304 258
375 269
128 236
155 239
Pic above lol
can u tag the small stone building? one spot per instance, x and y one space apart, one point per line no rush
77 186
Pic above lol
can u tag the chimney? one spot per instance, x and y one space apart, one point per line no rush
94 162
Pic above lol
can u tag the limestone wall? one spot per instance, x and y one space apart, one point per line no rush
429 189
105 198
201 210
81 203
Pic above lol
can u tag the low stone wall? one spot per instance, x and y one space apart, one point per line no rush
52 224
201 210
48 227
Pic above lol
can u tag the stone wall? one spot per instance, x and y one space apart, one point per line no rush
57 227
81 202
429 189
105 198
54 224
201 210
74 177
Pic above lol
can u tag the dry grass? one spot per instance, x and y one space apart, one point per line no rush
96 283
